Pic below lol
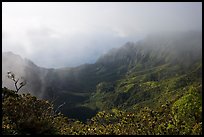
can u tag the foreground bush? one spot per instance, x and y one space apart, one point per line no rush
25 114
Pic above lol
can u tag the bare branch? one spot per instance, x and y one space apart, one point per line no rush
11 75
59 107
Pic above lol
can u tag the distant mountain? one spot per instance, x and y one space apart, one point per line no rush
120 78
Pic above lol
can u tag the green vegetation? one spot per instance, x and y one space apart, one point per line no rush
138 89
133 105
27 115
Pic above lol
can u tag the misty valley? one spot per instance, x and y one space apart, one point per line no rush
149 87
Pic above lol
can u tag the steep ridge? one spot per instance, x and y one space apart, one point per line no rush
135 75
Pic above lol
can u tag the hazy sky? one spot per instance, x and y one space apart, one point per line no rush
69 34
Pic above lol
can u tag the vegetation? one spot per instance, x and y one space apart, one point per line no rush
157 102
178 111
26 115
135 90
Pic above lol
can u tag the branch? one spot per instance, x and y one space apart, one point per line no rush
11 75
16 81
60 107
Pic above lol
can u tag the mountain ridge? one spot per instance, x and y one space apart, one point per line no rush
119 72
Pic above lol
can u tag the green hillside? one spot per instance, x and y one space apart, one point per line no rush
152 87
148 73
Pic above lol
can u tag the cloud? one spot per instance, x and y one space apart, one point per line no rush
50 49
70 34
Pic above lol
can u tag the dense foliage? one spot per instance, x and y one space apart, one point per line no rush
25 114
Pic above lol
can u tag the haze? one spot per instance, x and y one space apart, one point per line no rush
55 35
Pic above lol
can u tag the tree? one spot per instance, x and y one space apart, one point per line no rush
17 85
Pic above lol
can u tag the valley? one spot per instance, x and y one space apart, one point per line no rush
129 79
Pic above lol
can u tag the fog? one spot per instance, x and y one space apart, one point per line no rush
55 35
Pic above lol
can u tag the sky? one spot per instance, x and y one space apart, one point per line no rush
58 34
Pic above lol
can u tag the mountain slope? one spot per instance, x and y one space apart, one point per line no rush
168 67
156 69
